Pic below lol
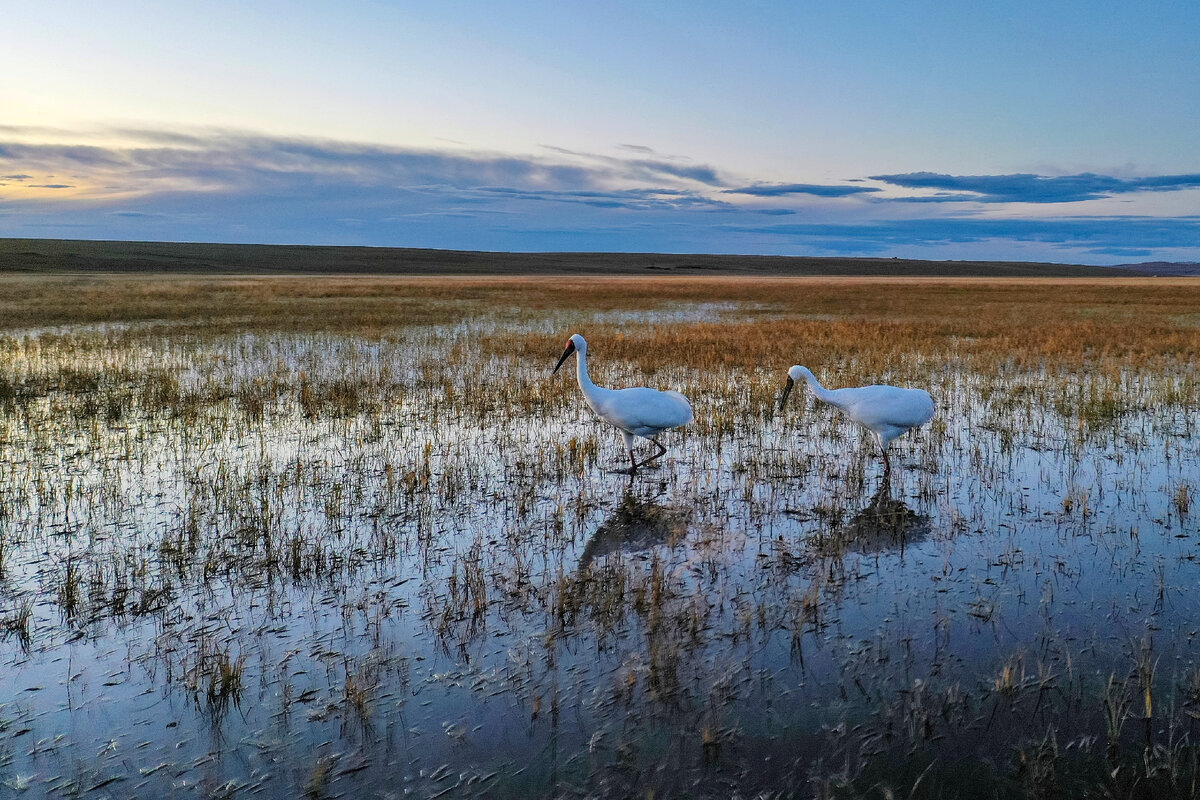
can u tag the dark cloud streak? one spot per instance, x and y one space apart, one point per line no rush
818 190
1087 232
634 199
1029 188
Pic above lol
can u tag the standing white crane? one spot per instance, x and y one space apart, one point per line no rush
637 411
886 411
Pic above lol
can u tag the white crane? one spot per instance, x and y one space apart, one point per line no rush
886 411
638 411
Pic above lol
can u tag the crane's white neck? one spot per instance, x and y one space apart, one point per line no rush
814 385
581 371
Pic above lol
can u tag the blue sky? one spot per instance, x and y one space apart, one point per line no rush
1059 131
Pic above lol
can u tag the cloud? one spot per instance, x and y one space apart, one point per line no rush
1123 252
673 166
224 161
1089 233
1028 188
236 186
701 174
50 186
43 156
782 189
634 199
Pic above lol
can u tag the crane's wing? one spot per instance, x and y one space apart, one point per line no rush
646 412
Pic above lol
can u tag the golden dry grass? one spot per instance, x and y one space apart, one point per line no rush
728 339
1025 322
850 330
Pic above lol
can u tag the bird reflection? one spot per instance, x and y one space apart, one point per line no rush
635 525
883 524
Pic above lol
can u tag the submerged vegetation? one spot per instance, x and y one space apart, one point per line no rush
302 536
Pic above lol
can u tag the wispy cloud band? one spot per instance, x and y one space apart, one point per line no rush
817 190
1107 235
1029 188
223 186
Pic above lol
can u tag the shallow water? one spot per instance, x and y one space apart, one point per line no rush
447 597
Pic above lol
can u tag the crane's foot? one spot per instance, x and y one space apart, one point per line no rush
632 469
662 451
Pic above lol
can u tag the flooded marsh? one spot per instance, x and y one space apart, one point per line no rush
280 537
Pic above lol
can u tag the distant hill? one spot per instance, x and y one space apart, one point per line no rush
1166 268
72 256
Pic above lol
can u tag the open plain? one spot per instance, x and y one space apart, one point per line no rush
345 535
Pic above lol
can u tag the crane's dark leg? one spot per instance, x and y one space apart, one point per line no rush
883 446
661 452
633 464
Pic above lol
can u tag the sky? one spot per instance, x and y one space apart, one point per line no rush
1065 131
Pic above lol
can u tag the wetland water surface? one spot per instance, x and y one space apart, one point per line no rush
275 563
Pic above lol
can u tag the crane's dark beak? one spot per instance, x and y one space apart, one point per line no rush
786 391
566 354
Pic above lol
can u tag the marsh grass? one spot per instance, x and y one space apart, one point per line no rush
356 538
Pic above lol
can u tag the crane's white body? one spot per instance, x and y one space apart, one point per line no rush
886 411
637 411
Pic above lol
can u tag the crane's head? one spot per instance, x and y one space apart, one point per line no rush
576 342
794 374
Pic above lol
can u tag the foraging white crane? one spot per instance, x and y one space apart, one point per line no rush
638 411
886 411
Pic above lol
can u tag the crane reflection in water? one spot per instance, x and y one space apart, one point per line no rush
637 524
885 523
